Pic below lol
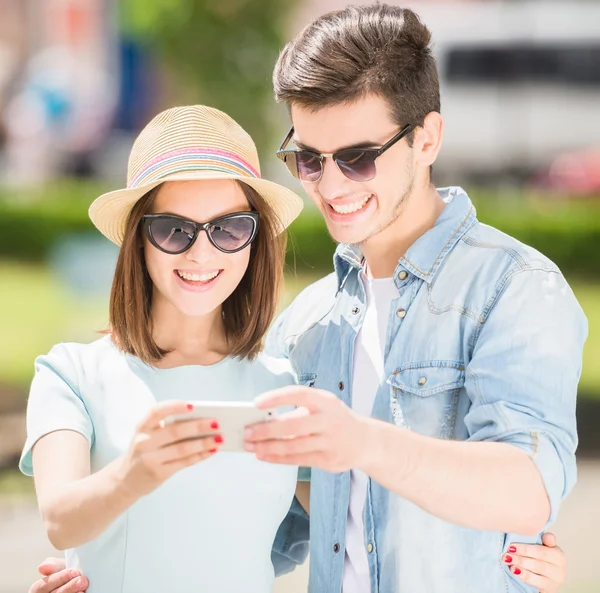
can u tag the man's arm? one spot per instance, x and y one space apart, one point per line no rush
519 461
290 548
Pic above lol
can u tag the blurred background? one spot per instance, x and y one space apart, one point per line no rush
79 79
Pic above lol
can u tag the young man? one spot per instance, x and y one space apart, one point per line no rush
438 363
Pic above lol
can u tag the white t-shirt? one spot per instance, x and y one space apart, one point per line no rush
211 526
367 375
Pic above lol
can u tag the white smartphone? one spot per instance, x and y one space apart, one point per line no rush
233 418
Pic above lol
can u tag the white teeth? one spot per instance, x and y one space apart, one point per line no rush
197 277
352 207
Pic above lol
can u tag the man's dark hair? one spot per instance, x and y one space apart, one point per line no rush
346 54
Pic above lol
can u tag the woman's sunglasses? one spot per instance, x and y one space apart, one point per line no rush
173 234
357 164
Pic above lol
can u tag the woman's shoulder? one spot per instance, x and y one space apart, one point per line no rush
74 358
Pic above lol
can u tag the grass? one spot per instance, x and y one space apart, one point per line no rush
36 312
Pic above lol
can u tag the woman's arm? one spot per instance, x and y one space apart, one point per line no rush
303 495
77 506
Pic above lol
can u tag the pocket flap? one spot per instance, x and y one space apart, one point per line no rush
307 379
425 379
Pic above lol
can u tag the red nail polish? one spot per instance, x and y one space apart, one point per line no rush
190 407
214 425
218 439
212 450
508 559
517 571
512 550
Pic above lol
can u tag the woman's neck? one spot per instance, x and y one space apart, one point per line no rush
189 340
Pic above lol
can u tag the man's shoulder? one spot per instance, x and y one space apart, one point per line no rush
487 247
310 305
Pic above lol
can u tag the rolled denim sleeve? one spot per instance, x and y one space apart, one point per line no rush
291 544
523 375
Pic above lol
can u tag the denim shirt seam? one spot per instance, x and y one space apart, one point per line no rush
435 265
501 288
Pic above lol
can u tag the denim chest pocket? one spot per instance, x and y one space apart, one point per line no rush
307 379
424 397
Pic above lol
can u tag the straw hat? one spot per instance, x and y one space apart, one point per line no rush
183 143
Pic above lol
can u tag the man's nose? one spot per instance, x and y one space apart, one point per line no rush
333 182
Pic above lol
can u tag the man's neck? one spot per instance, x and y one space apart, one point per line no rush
383 250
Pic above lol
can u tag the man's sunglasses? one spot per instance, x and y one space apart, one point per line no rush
357 164
173 234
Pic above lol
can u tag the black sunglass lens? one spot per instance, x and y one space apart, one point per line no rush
233 233
357 165
308 166
171 235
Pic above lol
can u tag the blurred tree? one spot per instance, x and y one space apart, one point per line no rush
221 52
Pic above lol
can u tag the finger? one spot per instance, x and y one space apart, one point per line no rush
183 449
185 429
52 565
549 540
179 464
299 423
282 448
544 569
537 552
536 581
161 411
49 584
78 585
296 395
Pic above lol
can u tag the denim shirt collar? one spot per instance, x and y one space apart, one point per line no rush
425 256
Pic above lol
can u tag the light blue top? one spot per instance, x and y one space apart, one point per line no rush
484 343
210 527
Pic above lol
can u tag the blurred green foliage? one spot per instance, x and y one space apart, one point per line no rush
567 232
220 53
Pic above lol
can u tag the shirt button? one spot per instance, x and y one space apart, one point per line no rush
401 313
336 548
422 381
341 385
402 275
355 311
370 548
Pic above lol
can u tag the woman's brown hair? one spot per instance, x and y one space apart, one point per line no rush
247 313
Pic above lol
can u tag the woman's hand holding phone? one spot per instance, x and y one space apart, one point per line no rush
161 449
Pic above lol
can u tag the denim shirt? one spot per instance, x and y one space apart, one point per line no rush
484 343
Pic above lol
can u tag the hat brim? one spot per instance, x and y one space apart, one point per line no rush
110 211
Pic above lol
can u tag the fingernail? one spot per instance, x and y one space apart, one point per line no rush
190 407
508 559
517 571
79 582
248 433
248 446
214 425
212 450
512 550
218 439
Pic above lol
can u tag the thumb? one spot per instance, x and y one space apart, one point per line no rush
549 540
51 565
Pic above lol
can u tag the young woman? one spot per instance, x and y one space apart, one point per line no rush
140 505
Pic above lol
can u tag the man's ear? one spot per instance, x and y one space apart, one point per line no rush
428 139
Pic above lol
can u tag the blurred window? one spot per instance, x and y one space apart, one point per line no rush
564 64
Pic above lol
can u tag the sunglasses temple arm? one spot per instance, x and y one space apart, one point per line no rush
287 138
403 132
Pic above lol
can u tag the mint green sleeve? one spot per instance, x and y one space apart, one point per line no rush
54 402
